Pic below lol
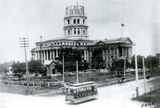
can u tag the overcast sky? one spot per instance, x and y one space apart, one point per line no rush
34 18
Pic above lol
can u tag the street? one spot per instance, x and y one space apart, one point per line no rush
114 96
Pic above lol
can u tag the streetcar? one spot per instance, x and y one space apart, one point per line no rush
81 92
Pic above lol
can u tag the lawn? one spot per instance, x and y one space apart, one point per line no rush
102 79
152 96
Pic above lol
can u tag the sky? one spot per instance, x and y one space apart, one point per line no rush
34 18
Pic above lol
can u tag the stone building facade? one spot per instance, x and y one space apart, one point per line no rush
76 37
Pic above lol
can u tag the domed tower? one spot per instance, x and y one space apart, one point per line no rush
75 23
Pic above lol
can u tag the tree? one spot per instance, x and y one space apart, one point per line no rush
19 69
3 68
151 62
36 67
118 65
70 58
97 59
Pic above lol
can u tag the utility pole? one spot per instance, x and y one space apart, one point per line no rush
124 66
63 66
137 90
150 63
159 64
25 44
144 75
77 70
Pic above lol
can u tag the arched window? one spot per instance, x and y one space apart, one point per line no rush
83 21
68 21
68 32
74 30
74 21
84 32
77 21
78 31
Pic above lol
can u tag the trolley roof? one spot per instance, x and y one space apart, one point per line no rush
80 85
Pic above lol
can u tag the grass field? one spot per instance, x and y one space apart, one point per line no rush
100 78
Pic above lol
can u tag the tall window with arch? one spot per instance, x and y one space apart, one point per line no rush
83 21
84 32
74 30
68 21
77 21
78 31
74 21
68 32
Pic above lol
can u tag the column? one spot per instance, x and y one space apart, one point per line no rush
80 31
125 50
87 55
47 54
122 51
90 56
106 55
110 57
130 52
103 55
113 52
86 31
117 52
53 55
50 54
35 55
76 31
84 54
56 53
44 54
127 53
38 55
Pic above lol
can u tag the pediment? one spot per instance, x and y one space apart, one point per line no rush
100 43
128 41
52 65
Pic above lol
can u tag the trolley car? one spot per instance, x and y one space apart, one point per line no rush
81 92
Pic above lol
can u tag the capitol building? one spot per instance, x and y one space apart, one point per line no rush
76 37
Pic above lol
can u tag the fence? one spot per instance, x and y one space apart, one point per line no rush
31 83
